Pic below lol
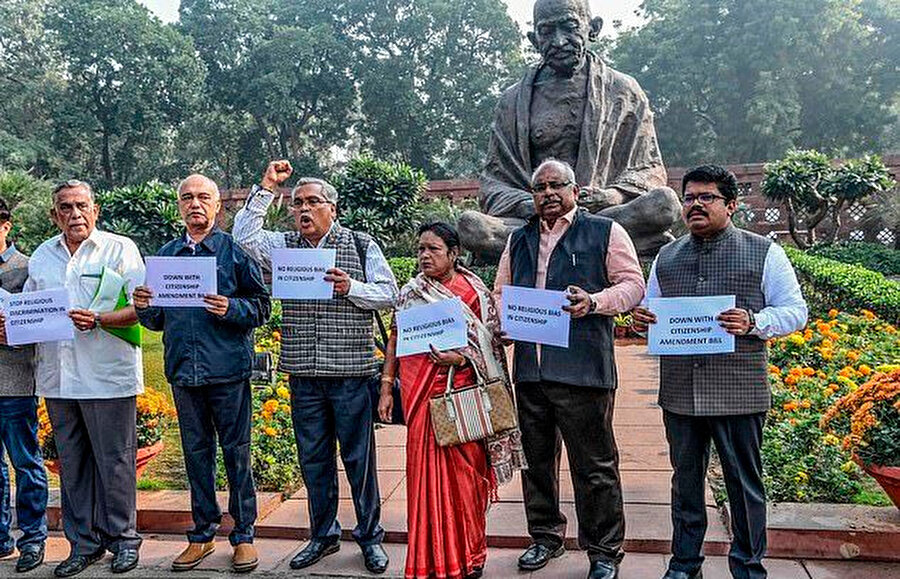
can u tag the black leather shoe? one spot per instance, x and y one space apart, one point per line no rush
376 558
673 574
537 556
313 553
603 570
125 560
75 564
30 558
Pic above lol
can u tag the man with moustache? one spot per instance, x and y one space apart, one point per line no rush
721 398
568 394
209 356
91 383
573 107
328 350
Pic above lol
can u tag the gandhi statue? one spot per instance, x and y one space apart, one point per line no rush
574 108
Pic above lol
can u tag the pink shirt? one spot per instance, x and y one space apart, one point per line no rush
622 267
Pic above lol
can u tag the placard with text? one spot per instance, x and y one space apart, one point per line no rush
41 316
299 274
687 326
181 282
533 315
441 324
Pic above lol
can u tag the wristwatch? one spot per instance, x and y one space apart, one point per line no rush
593 307
751 320
96 321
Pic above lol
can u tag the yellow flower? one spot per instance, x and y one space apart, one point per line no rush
831 440
283 393
801 477
270 431
864 370
797 339
868 314
853 355
270 406
833 313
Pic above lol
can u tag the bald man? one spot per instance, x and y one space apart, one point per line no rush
208 354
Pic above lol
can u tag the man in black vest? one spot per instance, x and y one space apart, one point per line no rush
722 397
568 394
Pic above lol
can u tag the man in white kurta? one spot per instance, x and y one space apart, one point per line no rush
90 384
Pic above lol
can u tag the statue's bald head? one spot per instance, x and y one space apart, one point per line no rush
549 8
562 30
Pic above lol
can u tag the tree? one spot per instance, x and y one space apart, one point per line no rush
811 188
430 73
131 80
746 80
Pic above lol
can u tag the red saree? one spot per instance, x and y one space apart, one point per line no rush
447 488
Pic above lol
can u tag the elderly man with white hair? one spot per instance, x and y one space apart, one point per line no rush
328 349
91 382
208 361
568 394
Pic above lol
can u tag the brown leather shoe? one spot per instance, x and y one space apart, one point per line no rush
193 555
244 559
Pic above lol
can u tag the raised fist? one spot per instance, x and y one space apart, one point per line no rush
276 173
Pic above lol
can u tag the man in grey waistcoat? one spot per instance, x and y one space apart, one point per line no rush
328 349
721 398
19 426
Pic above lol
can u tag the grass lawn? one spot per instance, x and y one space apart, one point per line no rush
166 471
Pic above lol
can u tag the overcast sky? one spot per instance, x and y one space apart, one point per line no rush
520 10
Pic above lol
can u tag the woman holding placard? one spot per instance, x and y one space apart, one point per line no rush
449 488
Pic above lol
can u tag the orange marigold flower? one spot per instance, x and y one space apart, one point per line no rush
868 314
864 370
271 405
853 355
774 370
270 431
809 372
833 313
790 380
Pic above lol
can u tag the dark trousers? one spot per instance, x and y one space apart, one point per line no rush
582 417
329 413
205 413
18 439
738 440
97 444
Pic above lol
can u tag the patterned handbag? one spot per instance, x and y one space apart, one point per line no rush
472 412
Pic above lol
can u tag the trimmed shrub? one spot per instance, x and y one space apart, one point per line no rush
874 256
831 284
147 213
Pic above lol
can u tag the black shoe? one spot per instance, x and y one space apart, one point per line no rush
537 556
30 558
603 570
125 560
673 574
313 553
376 558
75 564
476 573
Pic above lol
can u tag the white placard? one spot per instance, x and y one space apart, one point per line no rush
688 326
299 274
41 316
532 315
441 324
181 282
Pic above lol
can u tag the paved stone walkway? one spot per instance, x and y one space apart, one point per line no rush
158 551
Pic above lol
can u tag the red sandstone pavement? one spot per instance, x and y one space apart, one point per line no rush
158 551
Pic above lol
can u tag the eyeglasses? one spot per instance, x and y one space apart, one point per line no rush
703 198
552 185
312 202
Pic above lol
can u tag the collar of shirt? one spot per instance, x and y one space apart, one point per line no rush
210 243
8 254
568 218
324 237
94 238
717 236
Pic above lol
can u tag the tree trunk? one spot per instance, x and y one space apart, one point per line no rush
105 159
792 224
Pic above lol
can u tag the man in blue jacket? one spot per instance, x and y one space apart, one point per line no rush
208 359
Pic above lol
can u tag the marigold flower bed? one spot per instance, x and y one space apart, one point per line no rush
809 372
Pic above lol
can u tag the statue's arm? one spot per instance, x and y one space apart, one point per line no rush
645 170
504 180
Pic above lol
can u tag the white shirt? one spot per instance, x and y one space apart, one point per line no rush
378 293
785 309
96 364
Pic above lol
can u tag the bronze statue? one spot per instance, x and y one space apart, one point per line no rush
575 108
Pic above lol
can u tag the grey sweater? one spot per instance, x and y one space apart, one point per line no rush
16 363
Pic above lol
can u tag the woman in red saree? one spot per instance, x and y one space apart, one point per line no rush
449 489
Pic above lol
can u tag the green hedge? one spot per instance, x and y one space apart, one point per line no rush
405 268
831 284
872 256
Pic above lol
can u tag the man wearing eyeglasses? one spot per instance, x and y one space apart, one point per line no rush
328 350
721 398
568 394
